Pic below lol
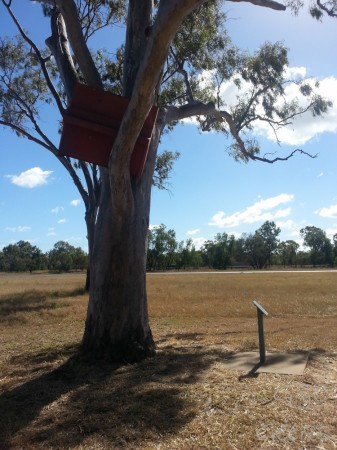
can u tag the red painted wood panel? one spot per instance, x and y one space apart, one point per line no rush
90 127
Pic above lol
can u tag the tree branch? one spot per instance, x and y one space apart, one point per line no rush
49 2
266 3
332 12
51 148
272 161
40 58
180 69
169 18
58 45
88 180
139 21
77 41
28 135
174 113
201 109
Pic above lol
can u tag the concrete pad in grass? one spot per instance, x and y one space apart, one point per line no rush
281 363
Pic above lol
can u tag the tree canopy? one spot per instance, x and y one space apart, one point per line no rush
24 257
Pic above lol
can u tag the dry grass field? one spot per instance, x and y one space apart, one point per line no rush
184 397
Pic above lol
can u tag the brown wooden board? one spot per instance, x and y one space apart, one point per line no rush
91 124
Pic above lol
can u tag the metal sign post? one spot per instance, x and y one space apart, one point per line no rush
260 313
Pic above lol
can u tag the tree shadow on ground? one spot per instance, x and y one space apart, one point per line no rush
22 302
25 302
117 405
317 352
195 337
181 337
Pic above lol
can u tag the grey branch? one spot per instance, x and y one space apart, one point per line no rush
50 147
40 58
58 45
285 158
201 109
266 3
332 11
77 41
173 113
180 69
49 2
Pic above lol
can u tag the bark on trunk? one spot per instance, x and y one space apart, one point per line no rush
117 325
90 220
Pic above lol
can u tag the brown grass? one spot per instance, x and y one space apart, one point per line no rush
183 398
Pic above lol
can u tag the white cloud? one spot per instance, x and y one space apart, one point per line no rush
330 232
320 174
74 239
258 212
304 127
330 212
51 232
19 229
281 213
31 178
153 227
198 242
295 73
57 209
290 229
75 202
236 234
62 221
192 232
287 225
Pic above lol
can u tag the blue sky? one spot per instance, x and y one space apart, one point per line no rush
209 191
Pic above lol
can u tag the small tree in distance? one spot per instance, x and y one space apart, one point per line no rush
288 252
321 249
162 245
64 257
22 257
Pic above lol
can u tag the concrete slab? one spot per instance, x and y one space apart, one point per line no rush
281 363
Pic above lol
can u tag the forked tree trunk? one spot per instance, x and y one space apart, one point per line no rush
117 325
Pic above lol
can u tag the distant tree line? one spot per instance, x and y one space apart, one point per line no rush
25 257
257 250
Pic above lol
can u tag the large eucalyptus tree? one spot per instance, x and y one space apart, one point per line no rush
176 55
